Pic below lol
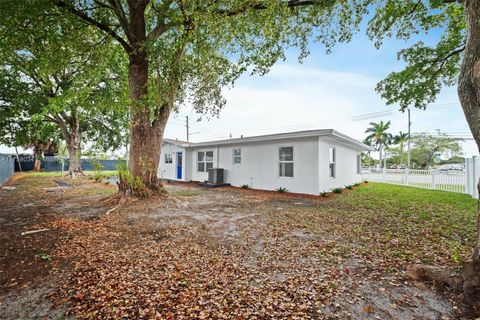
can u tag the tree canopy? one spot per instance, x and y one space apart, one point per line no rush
429 67
58 77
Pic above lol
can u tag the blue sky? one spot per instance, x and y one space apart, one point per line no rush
325 91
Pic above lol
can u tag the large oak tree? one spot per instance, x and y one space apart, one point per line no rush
57 73
187 50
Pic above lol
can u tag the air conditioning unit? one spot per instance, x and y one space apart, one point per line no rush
215 176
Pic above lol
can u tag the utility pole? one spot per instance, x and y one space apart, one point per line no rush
408 143
188 129
187 124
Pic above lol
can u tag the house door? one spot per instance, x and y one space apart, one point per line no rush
179 165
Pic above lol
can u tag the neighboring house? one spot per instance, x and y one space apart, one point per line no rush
305 162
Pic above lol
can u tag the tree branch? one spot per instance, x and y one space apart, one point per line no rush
51 119
161 26
63 126
116 6
443 60
262 6
102 26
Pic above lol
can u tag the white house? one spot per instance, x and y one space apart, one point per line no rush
304 162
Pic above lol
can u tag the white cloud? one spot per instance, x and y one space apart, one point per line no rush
301 97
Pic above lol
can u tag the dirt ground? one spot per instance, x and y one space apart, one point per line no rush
201 253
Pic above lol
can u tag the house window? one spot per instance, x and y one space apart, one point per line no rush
359 164
168 158
237 156
204 161
332 154
285 157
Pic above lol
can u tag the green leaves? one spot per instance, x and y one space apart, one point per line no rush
426 148
428 68
54 68
378 133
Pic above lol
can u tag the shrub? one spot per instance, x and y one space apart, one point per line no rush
349 187
98 176
456 256
281 189
43 256
244 186
323 194
127 183
356 184
337 190
366 181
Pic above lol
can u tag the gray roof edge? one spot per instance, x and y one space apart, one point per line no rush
288 135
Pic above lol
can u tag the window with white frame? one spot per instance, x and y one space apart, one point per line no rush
359 164
168 158
285 159
237 156
332 155
204 161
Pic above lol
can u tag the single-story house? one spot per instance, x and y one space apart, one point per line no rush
308 162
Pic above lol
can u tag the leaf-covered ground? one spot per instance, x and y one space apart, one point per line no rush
231 253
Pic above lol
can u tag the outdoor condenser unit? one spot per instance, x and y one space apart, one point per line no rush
215 176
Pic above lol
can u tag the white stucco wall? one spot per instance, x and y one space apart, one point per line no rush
259 167
346 165
169 170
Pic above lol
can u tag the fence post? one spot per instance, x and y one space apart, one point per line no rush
433 179
384 174
406 176
467 181
475 175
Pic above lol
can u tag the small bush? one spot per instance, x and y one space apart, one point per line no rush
456 256
244 186
366 181
98 176
127 183
281 189
337 190
43 256
349 187
323 194
356 184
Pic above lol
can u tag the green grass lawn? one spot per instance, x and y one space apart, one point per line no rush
396 225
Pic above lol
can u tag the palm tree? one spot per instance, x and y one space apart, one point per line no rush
379 135
400 139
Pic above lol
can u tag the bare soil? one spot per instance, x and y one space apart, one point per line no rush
197 253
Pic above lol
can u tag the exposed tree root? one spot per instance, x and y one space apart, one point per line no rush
75 174
466 281
438 276
471 282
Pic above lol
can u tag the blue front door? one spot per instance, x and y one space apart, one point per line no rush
179 165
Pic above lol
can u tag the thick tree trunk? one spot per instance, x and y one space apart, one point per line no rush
74 158
37 164
70 126
469 94
38 154
146 131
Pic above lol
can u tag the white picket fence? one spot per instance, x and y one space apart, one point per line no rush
464 181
